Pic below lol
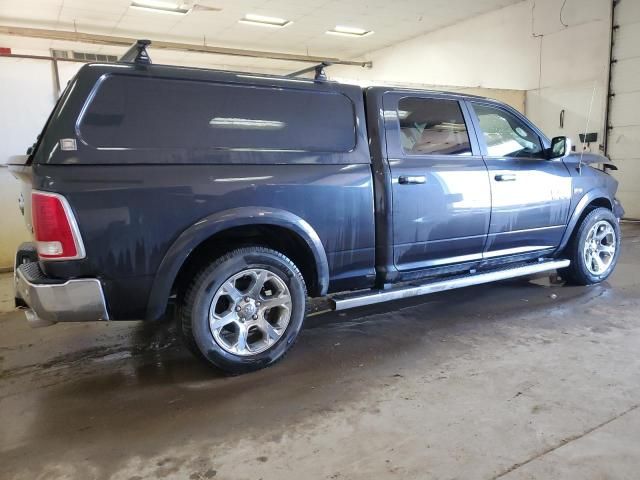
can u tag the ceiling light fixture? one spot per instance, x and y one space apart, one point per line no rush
160 6
263 21
349 31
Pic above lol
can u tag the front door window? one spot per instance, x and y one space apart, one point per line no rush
506 135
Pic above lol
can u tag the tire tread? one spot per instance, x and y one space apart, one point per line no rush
186 305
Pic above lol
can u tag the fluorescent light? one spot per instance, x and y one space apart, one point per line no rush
263 21
159 6
349 31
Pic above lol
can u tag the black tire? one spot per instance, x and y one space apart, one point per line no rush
197 300
577 273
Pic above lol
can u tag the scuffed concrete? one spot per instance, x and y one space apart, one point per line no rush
523 379
6 292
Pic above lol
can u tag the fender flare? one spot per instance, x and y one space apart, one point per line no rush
193 236
587 198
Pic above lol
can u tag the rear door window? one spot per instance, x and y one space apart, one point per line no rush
430 126
137 112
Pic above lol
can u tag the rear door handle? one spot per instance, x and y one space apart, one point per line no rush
505 177
408 180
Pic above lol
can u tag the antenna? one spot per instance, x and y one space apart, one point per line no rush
586 128
137 53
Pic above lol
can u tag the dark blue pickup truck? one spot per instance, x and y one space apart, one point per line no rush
238 196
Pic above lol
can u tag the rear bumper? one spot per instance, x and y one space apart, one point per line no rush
49 301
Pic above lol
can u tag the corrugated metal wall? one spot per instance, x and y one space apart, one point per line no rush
624 114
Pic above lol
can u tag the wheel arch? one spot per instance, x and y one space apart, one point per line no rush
590 200
219 232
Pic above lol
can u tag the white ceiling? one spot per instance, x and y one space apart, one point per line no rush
391 20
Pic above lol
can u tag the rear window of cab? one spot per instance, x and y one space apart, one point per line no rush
128 112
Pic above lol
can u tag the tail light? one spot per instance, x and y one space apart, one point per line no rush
54 228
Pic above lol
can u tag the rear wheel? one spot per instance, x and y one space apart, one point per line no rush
594 248
244 311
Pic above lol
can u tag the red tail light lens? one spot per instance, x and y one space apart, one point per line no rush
54 228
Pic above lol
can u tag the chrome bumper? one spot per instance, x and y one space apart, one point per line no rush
78 300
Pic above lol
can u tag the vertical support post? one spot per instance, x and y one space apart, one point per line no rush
610 94
56 77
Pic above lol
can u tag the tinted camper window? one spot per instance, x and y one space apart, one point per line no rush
133 112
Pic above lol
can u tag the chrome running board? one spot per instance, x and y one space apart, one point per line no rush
344 302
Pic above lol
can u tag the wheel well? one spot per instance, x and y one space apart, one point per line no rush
272 236
598 202
595 203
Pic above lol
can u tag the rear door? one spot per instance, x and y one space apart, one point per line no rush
441 197
530 194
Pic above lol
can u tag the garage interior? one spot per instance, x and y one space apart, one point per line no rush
526 378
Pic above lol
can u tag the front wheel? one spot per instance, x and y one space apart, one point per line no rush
594 248
244 311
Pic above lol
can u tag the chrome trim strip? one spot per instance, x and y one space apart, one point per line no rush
379 296
537 229
77 300
441 261
77 238
516 250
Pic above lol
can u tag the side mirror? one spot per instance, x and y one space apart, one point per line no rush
560 148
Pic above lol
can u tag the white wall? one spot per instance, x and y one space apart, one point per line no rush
503 49
26 99
624 136
574 65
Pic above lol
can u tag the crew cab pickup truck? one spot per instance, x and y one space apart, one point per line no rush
237 197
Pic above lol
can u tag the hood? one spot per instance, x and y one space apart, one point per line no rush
591 159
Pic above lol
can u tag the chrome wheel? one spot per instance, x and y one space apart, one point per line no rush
250 312
599 248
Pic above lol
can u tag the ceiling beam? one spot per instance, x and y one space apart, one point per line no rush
67 36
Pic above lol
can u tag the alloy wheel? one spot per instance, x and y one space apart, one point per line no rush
250 312
600 248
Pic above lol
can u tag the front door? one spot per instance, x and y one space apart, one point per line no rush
530 194
440 187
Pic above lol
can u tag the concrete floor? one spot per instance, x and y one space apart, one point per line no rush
518 380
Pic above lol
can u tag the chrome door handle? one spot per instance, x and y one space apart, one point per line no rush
505 177
408 180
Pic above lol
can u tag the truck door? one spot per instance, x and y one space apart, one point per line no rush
530 195
441 198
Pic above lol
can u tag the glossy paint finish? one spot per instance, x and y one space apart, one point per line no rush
445 219
532 210
141 211
239 217
530 197
130 216
588 185
134 205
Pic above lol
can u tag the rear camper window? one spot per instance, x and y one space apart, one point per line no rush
132 112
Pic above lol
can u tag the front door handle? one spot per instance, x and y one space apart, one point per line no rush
505 177
409 180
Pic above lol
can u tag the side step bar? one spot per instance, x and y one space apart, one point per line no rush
344 302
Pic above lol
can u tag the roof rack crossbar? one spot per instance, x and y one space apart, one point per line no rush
320 74
137 53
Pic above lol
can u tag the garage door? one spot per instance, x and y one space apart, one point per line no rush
624 115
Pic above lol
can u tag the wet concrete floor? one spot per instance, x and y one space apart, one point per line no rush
517 380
